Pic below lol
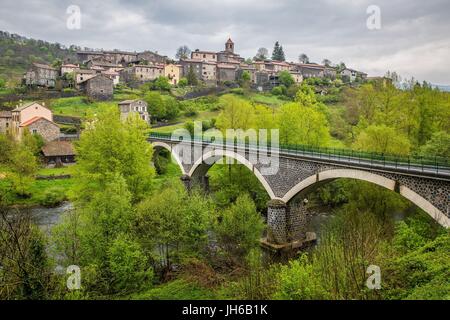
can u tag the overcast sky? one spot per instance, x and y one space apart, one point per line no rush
414 38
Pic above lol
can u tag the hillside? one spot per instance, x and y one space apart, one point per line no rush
17 53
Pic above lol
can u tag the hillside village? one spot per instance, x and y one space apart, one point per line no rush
96 73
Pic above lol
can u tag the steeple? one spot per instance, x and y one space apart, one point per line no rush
229 46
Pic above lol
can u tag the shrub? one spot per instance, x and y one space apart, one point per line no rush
52 197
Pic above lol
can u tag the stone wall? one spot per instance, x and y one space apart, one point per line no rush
48 130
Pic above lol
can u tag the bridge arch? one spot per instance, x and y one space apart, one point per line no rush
387 183
200 167
163 145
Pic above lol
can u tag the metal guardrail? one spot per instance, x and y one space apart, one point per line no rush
436 165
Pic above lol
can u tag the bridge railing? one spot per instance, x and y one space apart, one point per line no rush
417 163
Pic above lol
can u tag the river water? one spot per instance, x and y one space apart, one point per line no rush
46 218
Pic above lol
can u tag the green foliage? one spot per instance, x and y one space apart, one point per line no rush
382 139
278 52
23 165
168 219
299 281
191 77
183 82
162 84
162 106
438 145
239 228
303 125
286 79
278 90
128 264
109 147
52 197
176 290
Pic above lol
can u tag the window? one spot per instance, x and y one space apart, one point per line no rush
34 131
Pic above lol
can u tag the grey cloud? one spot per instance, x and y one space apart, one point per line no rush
414 39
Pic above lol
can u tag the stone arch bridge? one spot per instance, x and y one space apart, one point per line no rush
288 172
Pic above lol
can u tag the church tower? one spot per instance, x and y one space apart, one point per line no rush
229 46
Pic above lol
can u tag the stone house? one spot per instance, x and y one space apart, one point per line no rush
41 75
311 70
36 118
206 56
93 64
128 107
142 73
152 57
353 74
5 121
47 129
69 68
226 72
99 87
298 77
196 66
173 72
114 76
83 75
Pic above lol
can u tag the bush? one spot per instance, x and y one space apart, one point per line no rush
52 198
128 264
183 82
279 90
238 91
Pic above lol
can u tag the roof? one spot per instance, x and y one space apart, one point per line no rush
5 114
43 66
69 65
26 105
129 101
94 77
58 148
34 119
89 71
225 66
229 40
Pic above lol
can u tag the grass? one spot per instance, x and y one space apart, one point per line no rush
80 106
38 190
175 290
55 171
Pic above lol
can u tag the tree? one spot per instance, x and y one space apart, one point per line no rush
326 62
128 264
278 53
156 105
26 271
183 82
286 79
382 139
236 114
303 58
192 77
109 147
24 166
303 125
183 52
341 67
438 145
162 83
262 54
240 227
